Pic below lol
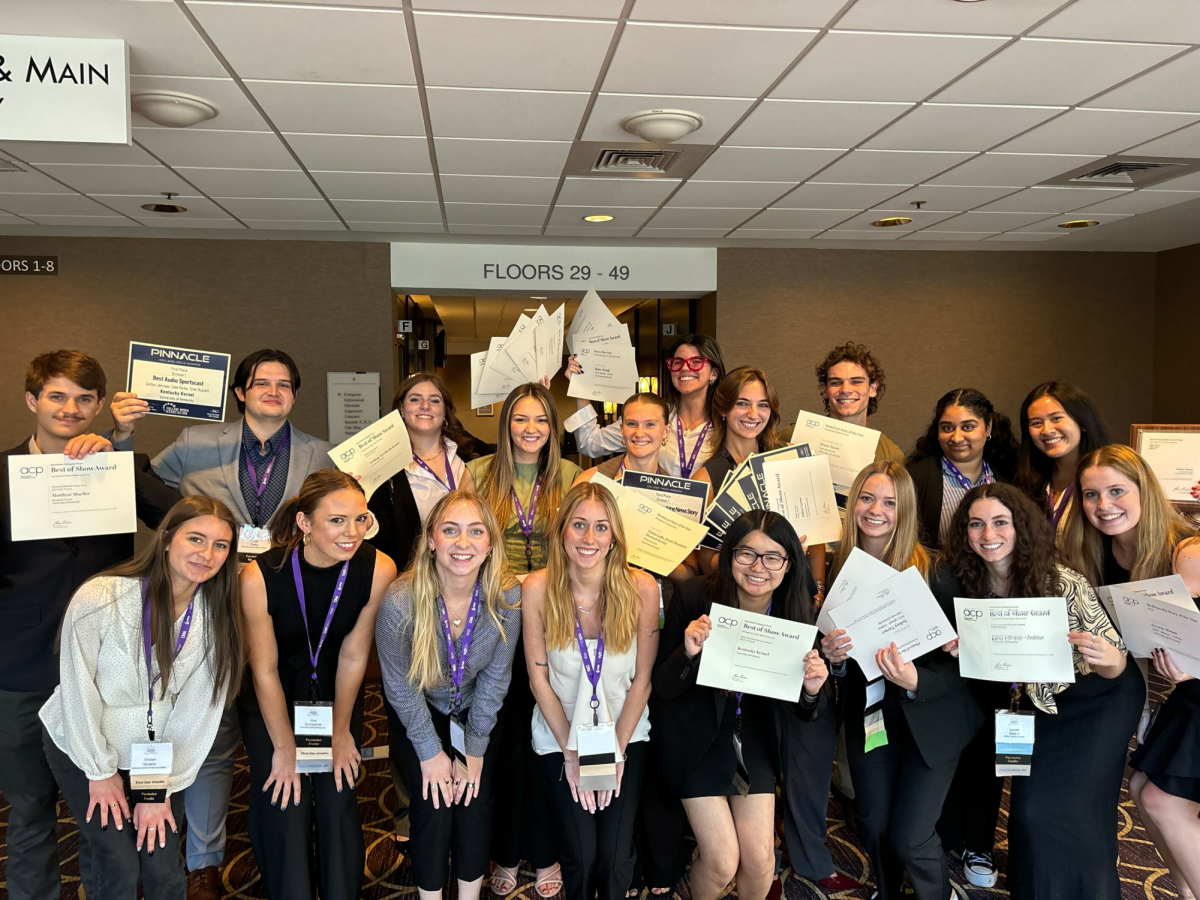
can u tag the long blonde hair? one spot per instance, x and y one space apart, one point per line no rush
1161 529
903 547
426 671
497 487
619 594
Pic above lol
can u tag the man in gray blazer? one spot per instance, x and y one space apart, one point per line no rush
252 466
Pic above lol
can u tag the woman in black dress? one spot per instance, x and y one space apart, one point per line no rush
310 605
698 729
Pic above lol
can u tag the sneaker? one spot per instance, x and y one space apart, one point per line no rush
979 868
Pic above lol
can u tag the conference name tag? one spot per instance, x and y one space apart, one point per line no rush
597 745
1014 742
314 737
150 772
873 726
253 541
458 746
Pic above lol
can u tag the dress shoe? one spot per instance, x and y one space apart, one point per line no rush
838 882
204 884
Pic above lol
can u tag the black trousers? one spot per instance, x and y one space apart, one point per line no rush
116 865
659 830
283 839
28 785
897 801
459 832
809 749
972 806
596 849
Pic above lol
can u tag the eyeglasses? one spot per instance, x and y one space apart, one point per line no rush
746 557
694 363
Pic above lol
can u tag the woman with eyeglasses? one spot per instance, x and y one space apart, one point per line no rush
696 368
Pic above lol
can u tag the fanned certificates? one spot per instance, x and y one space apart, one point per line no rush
657 538
861 570
606 356
53 496
755 654
1148 622
744 489
376 453
532 351
850 448
1014 639
801 490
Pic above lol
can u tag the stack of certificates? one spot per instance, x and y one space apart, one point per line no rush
531 352
605 354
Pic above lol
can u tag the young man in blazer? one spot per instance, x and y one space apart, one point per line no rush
65 390
251 465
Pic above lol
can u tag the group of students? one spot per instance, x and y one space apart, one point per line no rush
508 624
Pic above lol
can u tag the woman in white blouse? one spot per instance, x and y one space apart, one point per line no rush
150 650
435 433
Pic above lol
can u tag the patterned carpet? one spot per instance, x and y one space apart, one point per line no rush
1142 872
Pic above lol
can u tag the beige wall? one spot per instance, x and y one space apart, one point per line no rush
1177 327
327 304
1000 322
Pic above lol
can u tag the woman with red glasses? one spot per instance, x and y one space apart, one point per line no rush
696 367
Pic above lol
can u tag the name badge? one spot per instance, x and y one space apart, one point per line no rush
1014 742
150 772
314 737
876 733
458 746
875 691
597 745
253 541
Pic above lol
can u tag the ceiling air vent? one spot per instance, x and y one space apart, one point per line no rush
1130 173
629 161
1127 172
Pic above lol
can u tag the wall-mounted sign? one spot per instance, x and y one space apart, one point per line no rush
28 265
353 403
518 268
73 90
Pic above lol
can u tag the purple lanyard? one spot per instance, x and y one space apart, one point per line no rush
738 712
952 470
593 673
449 472
1054 513
260 484
686 467
185 626
458 661
333 605
526 521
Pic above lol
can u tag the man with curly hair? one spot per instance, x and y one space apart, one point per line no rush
852 381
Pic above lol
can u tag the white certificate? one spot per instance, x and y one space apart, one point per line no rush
850 448
592 318
187 384
860 571
657 538
1168 588
376 453
1014 639
500 373
1149 622
548 338
801 490
1175 458
522 350
609 365
478 399
755 654
901 610
52 496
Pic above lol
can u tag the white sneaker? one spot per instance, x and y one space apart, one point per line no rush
979 868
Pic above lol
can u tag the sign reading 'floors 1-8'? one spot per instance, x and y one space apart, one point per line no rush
72 90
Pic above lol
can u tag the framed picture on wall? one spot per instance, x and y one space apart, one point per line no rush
1173 453
490 410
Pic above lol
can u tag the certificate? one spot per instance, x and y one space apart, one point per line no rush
1015 639
901 610
500 373
801 490
521 349
478 399
656 539
1175 458
1150 622
609 368
861 570
376 453
187 384
755 654
1168 588
850 448
53 496
592 318
755 461
685 496
548 339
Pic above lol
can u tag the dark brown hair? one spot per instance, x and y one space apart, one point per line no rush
1035 468
710 350
70 364
317 486
248 368
860 356
452 428
726 396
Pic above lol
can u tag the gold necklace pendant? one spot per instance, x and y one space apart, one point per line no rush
457 622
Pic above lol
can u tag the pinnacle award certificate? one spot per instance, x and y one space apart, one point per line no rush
755 654
376 453
53 496
1014 639
187 384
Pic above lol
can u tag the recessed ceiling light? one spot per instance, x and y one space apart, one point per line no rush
595 219
892 221
172 109
1078 223
537 298
167 207
530 309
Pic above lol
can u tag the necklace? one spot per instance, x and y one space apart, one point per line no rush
586 612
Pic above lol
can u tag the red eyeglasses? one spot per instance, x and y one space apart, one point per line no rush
694 363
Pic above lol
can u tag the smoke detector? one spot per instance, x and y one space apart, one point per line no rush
172 109
662 126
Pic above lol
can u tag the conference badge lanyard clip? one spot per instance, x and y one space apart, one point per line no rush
1014 738
525 520
873 726
458 669
596 742
150 763
314 719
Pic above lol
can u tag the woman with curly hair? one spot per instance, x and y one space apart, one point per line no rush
1062 833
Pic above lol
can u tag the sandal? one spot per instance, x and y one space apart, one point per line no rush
504 880
549 882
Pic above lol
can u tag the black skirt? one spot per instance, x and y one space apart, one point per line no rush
713 775
1170 755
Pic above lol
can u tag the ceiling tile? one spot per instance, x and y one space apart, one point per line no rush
1050 200
340 108
890 166
572 217
1018 236
294 225
187 222
112 179
679 59
38 205
1055 73
498 189
607 191
31 182
1141 201
848 65
197 207
376 186
813 123
37 152
1167 20
750 164
774 13
85 221
412 212
361 153
217 149
1051 224
1185 142
689 217
946 236
987 221
875 234
729 194
1011 169
495 214
1186 183
920 219
306 43
1171 87
573 231
312 210
1099 131
701 233
719 114
936 16
944 197
234 111
397 227
945 126
495 229
287 183
517 115
838 196
801 218
592 9
776 234
469 157
495 51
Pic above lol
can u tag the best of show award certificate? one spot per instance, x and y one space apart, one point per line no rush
55 497
188 384
755 654
1150 622
376 453
1014 639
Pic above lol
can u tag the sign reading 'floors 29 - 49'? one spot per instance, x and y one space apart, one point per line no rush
72 90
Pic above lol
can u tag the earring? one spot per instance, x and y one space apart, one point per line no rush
307 538
664 440
432 554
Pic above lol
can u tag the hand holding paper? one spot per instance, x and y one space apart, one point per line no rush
376 453
850 448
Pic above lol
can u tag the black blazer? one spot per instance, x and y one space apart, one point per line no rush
685 717
944 717
927 478
38 578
